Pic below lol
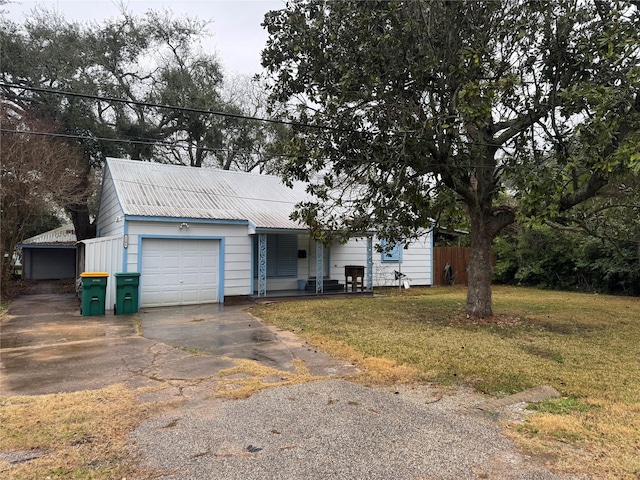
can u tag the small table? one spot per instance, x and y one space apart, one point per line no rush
356 272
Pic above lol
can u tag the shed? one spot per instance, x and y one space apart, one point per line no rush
50 255
206 235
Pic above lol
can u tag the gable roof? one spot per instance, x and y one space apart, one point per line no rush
149 189
64 235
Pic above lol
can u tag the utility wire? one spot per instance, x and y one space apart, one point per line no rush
209 149
162 143
195 110
184 109
167 107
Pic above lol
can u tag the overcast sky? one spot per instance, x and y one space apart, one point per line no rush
237 36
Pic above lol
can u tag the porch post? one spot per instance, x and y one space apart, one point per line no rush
319 268
369 263
262 265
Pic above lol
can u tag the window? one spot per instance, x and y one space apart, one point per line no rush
282 255
392 255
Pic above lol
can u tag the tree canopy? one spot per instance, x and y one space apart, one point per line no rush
113 78
424 103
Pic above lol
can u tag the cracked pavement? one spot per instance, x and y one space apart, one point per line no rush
48 347
330 428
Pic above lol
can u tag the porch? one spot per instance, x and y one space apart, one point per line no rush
292 294
284 261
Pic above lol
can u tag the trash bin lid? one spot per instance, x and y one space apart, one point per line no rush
94 274
127 274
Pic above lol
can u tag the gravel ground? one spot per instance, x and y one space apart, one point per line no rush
330 429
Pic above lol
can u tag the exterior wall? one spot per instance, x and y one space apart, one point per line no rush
110 210
235 248
49 263
102 255
416 264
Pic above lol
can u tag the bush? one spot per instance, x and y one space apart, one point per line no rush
560 260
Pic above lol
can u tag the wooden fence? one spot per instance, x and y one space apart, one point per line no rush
457 258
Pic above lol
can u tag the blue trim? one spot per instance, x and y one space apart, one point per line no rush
320 267
432 233
185 237
392 256
253 265
369 263
141 218
276 230
125 227
262 265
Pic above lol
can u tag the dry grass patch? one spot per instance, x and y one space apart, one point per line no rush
79 435
249 377
585 346
603 436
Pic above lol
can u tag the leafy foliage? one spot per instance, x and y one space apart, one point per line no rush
415 102
117 73
564 260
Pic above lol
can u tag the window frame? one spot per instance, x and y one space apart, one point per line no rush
392 256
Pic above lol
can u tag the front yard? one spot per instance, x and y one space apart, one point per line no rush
585 346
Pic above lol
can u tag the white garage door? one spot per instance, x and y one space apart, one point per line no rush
179 272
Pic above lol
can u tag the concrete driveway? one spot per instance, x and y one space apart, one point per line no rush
324 429
46 346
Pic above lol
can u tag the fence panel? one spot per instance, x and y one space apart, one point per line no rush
457 258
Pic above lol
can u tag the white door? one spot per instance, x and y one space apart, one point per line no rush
179 272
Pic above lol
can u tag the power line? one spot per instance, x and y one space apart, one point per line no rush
121 140
167 107
214 150
193 110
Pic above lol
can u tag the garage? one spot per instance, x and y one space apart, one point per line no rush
179 272
50 255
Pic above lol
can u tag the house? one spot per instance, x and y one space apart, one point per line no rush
50 255
206 236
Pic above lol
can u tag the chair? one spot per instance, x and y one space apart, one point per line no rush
356 273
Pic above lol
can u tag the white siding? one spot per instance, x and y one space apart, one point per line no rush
416 261
104 255
110 209
237 248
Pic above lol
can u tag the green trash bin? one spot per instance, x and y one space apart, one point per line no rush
126 293
94 289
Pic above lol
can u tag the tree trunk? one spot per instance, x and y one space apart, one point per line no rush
480 270
78 210
81 221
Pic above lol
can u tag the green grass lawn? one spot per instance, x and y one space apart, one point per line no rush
585 346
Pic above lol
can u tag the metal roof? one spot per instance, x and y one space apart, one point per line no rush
64 235
158 190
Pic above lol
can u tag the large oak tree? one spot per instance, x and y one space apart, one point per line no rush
424 102
110 78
